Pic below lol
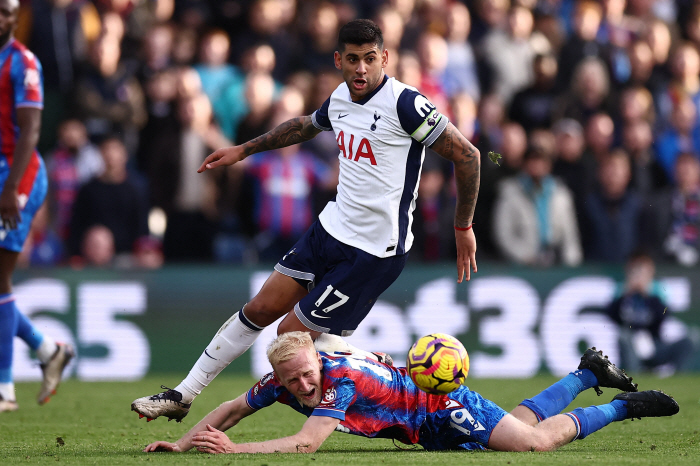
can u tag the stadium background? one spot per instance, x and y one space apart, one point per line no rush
174 80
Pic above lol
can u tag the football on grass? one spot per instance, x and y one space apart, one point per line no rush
438 363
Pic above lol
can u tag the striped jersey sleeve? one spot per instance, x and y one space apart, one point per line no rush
419 117
26 75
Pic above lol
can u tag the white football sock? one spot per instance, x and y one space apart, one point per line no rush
233 339
7 391
328 343
47 348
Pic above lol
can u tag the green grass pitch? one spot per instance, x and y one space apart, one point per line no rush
90 423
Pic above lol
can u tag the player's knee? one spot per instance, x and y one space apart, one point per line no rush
262 313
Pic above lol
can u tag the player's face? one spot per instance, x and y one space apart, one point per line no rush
302 377
8 19
362 67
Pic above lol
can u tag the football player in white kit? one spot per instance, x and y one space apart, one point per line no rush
359 245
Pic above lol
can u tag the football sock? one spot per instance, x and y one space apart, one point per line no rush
7 391
233 339
594 418
28 332
46 349
327 343
558 396
8 330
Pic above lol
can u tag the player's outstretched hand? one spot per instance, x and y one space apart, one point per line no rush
213 440
466 254
162 446
223 156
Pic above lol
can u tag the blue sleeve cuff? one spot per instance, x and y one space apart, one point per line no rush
326 412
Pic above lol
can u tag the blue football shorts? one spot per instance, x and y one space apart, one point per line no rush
13 240
465 423
343 282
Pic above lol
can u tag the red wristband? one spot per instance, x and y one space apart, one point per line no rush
464 229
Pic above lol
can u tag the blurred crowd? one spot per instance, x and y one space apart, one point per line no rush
593 105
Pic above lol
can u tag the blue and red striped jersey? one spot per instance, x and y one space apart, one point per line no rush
21 85
371 399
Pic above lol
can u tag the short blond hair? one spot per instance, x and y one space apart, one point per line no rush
287 346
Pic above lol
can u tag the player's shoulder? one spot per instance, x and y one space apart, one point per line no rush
399 87
28 58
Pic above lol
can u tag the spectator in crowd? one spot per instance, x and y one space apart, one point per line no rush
391 23
513 144
582 43
461 73
508 55
283 197
259 98
659 38
640 311
113 200
489 15
679 215
534 106
432 55
73 163
320 38
683 135
599 132
647 174
589 92
111 98
684 83
188 198
613 212
534 221
575 170
222 82
157 50
96 248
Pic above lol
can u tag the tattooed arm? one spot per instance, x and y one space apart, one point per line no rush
453 146
290 132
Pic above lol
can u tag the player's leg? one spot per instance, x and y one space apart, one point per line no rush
342 297
595 370
53 357
511 434
8 330
277 296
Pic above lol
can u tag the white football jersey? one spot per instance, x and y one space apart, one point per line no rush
381 141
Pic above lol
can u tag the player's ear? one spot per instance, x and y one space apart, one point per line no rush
337 59
385 58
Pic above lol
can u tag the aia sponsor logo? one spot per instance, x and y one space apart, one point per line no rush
355 151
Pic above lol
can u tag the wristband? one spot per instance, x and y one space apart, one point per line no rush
465 229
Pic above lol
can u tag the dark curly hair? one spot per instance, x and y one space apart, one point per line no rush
359 32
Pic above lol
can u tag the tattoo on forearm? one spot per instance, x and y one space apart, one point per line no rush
465 157
290 132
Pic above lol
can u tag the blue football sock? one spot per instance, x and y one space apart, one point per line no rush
594 418
8 329
554 399
28 332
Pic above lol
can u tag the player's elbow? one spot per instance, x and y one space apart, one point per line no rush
307 443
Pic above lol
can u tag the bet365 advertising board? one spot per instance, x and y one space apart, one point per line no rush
515 322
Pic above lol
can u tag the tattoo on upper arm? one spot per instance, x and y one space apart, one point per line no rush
290 132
